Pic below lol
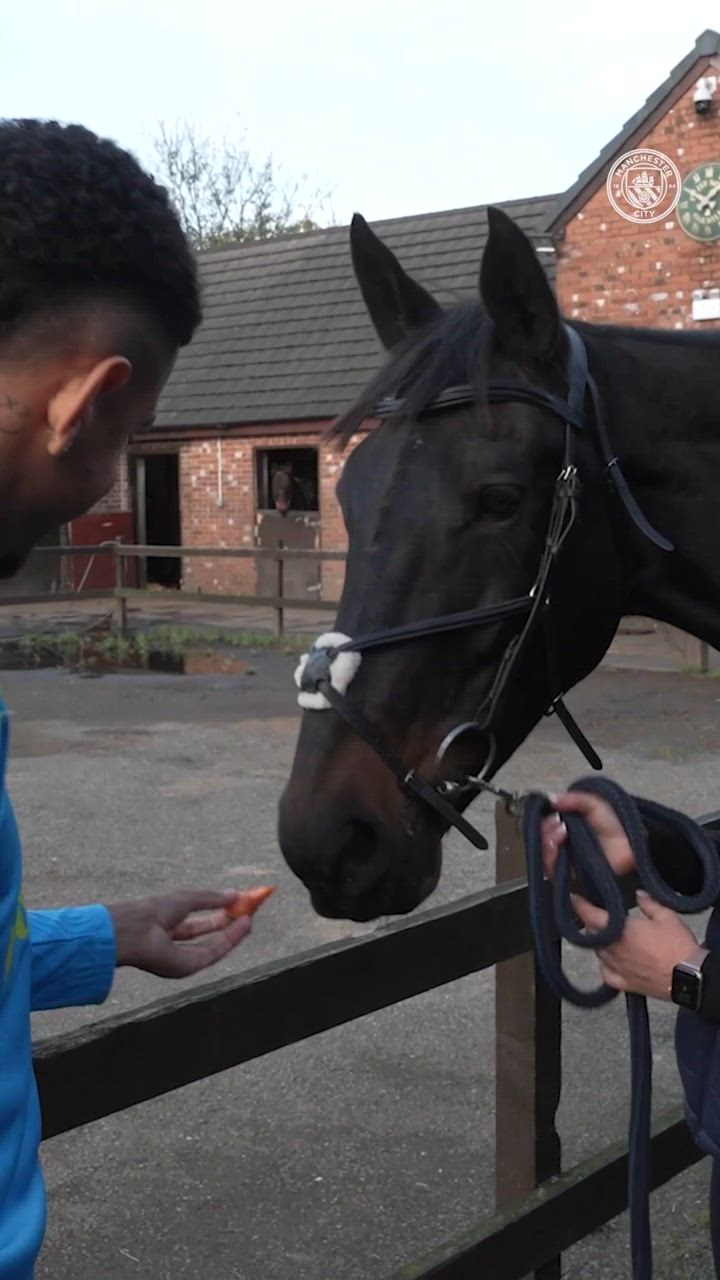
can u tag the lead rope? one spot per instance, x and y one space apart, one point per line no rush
582 862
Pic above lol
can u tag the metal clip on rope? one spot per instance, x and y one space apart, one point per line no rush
581 861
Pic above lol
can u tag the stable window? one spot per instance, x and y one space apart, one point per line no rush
287 480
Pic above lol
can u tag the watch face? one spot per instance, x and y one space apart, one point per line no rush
698 209
685 988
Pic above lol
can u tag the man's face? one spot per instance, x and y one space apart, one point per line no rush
46 482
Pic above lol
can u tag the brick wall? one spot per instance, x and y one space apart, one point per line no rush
233 524
118 499
613 271
334 537
213 471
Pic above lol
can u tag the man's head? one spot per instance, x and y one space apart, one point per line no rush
98 290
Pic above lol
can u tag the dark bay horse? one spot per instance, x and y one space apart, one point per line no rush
448 511
288 493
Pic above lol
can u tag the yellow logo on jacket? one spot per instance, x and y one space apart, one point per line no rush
18 933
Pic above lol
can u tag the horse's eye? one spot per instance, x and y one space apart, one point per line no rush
498 501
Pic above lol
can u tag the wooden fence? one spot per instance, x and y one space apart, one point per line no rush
540 1209
124 595
687 652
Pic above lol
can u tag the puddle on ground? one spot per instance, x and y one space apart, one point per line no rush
92 659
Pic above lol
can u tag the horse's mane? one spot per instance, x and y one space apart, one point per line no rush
451 350
454 349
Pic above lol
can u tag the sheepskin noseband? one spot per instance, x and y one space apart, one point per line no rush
322 663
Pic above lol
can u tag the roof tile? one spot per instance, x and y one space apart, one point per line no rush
286 335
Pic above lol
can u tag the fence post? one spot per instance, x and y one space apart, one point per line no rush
528 1066
141 518
280 592
696 653
120 600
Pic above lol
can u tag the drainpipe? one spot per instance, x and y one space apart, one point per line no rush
220 500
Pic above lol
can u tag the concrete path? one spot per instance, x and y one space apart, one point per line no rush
352 1153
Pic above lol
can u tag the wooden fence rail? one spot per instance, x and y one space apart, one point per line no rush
136 551
123 595
521 1239
692 653
184 1038
126 1060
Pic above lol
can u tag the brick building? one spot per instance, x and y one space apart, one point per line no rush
286 343
610 270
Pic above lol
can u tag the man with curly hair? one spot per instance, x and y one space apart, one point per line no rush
98 290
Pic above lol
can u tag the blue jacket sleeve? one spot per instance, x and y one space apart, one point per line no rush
73 956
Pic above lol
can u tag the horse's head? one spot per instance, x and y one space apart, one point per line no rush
282 488
446 511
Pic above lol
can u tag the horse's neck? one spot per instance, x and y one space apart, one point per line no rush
663 403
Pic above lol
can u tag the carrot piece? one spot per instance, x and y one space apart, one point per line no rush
247 903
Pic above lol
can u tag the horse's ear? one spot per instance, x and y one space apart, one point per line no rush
516 292
396 304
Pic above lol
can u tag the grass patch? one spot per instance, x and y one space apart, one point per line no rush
176 640
82 649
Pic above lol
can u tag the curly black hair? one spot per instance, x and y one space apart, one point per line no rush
79 216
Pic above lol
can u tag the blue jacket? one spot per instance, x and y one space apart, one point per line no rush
697 1045
48 960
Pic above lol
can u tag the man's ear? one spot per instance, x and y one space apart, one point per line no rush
71 407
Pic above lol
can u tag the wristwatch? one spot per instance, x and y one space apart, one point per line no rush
687 981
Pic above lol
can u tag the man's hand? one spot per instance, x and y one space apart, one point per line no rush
643 959
163 936
604 822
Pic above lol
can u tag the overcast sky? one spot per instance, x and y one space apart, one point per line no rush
402 106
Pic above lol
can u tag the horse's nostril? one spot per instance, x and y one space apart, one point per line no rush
359 865
360 843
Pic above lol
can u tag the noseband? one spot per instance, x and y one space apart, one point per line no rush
315 676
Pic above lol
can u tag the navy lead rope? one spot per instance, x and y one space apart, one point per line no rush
582 864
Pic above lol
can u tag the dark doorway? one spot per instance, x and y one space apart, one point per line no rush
157 487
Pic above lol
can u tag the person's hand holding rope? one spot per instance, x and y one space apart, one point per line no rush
643 959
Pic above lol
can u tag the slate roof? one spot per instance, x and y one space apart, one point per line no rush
706 46
286 336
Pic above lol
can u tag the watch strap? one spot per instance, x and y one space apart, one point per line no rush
697 959
709 1009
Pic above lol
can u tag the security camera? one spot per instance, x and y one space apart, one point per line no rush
704 94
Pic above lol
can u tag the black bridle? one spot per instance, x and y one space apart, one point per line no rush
533 609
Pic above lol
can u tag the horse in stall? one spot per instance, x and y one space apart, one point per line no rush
449 512
288 492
